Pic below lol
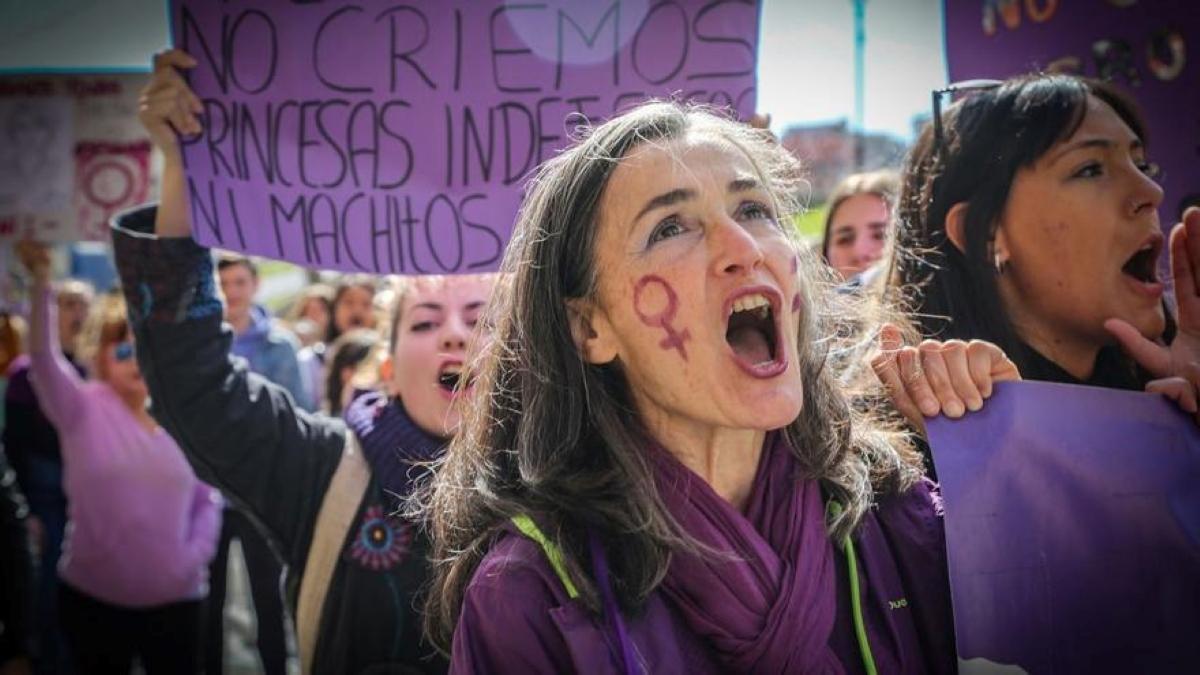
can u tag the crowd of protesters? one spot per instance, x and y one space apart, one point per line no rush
521 472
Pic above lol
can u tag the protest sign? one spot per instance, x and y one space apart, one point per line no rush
1072 520
72 154
1141 45
385 138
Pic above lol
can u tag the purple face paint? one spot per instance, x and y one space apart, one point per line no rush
796 303
674 339
795 264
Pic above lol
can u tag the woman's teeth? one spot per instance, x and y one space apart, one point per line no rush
449 376
749 302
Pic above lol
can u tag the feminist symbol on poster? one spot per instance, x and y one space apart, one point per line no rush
109 177
72 154
384 138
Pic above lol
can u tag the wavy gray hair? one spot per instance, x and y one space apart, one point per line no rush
557 438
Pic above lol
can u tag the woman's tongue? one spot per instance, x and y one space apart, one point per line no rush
750 344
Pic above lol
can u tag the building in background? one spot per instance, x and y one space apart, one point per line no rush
827 151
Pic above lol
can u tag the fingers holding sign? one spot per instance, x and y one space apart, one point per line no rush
1182 388
1179 390
939 378
167 106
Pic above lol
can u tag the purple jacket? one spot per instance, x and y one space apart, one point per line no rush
517 616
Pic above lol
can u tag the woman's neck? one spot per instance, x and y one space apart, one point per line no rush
727 459
1067 349
1076 356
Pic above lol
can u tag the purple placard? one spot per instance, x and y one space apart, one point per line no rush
1151 48
395 138
1073 530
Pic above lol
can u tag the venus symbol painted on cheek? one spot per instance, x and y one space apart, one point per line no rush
796 303
643 304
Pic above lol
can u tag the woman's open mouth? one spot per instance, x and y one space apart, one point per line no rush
753 333
450 379
1142 267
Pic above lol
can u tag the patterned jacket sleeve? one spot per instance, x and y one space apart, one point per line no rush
240 432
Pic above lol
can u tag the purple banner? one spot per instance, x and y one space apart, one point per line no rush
396 138
1073 531
1151 48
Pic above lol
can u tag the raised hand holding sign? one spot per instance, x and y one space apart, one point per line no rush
395 139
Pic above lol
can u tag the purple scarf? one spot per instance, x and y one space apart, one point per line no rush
396 448
771 610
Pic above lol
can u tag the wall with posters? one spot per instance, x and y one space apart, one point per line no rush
72 154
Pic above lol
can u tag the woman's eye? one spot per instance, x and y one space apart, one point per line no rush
1149 168
422 326
755 211
843 241
1090 170
670 227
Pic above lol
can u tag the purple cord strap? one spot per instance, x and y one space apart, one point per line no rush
613 612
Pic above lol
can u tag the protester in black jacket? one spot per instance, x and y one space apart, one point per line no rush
326 498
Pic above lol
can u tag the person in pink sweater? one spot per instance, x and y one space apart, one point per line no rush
142 528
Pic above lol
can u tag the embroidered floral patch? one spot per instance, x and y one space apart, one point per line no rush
382 541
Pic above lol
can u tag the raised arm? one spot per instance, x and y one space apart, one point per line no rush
241 432
167 109
54 379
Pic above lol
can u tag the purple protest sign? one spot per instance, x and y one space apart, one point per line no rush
1073 530
387 138
1141 46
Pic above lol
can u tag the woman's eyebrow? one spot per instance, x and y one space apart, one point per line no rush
683 194
744 185
1087 143
666 199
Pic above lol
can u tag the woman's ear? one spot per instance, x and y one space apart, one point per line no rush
956 226
385 374
591 331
